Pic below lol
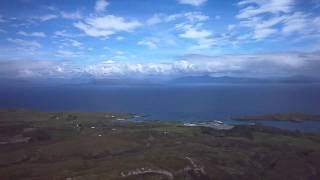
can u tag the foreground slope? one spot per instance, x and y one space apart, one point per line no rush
85 146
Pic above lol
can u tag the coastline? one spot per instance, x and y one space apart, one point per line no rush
294 117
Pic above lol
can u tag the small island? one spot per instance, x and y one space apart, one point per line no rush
99 145
295 117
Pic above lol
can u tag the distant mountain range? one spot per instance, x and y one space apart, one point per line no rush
227 79
122 81
156 81
205 80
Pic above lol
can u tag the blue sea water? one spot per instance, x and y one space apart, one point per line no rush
179 102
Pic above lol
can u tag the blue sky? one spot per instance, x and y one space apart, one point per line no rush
169 38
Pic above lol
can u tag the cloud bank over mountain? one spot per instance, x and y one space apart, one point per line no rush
246 65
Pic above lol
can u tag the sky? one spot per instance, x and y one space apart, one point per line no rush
70 39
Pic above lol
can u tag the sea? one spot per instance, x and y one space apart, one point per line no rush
187 103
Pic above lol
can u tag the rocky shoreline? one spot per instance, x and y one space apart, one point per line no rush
295 117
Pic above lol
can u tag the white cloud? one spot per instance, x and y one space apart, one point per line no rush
193 33
51 8
119 52
101 5
113 23
33 34
253 15
297 22
190 23
196 16
205 43
155 19
263 33
71 15
76 44
92 31
46 17
231 27
258 7
66 43
36 69
27 44
203 38
274 18
273 64
119 38
67 53
190 16
61 33
72 42
105 26
115 68
152 43
316 23
64 33
192 2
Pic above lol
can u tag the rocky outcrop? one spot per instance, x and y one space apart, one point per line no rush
143 171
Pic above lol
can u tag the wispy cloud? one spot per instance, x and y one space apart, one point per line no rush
120 38
297 22
253 8
51 8
155 19
71 15
274 18
189 26
67 53
25 43
101 5
65 33
32 34
45 17
189 16
252 15
203 37
194 33
105 26
76 43
192 2
152 43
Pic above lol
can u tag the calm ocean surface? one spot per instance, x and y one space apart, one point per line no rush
185 103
